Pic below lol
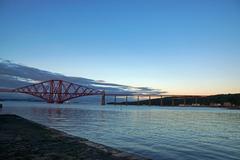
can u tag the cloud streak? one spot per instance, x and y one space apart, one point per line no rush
16 75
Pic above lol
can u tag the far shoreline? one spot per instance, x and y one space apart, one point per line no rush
133 104
186 106
228 101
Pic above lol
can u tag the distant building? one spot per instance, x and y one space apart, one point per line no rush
227 104
195 104
215 104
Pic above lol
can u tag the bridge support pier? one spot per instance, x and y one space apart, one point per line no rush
115 100
161 103
173 102
103 102
126 103
149 101
196 100
138 100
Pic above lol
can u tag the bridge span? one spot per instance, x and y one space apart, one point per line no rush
151 96
59 91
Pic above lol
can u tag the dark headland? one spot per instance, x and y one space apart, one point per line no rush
26 140
230 101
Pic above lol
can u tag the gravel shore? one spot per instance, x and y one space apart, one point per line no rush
26 140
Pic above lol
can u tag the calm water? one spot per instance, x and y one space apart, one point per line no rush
154 132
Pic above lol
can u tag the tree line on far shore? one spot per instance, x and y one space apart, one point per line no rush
228 100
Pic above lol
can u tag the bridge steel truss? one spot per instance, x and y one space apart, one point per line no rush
57 91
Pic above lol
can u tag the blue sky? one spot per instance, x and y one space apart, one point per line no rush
183 47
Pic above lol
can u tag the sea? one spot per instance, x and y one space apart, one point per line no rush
156 132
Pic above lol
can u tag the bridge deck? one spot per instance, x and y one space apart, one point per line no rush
59 91
6 90
152 95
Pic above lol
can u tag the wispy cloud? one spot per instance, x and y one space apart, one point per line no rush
13 74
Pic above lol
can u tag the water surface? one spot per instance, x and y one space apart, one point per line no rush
154 132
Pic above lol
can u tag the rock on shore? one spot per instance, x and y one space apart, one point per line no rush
23 139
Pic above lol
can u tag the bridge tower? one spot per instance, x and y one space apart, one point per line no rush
103 102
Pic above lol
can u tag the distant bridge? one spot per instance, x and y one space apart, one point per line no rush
59 91
55 91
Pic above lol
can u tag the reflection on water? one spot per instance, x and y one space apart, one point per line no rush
155 132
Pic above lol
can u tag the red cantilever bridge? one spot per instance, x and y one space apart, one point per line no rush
55 91
59 91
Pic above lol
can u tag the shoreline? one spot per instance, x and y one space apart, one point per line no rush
180 106
24 139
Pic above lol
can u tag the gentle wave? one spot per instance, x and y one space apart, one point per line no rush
154 132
